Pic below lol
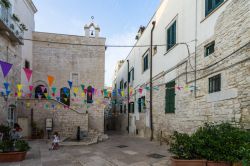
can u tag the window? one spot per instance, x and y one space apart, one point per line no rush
125 85
11 115
121 84
141 104
145 62
27 64
131 107
65 96
171 36
75 79
131 75
215 83
170 97
209 49
210 5
125 109
121 109
89 95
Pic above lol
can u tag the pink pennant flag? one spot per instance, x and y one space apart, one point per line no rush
43 88
140 90
31 87
28 73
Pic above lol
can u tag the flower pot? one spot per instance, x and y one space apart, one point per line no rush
221 163
12 156
178 162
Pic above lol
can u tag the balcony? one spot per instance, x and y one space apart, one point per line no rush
9 27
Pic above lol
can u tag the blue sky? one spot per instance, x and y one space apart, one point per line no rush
119 21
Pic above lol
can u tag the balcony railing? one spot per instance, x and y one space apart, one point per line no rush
7 24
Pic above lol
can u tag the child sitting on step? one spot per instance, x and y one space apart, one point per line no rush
55 143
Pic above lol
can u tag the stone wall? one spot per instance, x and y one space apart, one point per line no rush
65 120
12 54
60 60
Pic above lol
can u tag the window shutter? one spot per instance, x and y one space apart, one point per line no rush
170 97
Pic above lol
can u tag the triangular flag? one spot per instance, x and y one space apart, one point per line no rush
83 86
19 94
53 89
31 87
46 95
28 73
8 92
83 94
6 85
19 87
43 88
50 80
75 90
66 99
66 91
70 84
5 67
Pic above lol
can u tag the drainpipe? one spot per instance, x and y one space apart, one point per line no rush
151 82
128 96
195 52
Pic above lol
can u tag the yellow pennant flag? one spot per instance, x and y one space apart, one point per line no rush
28 105
83 94
66 99
19 94
186 87
122 93
46 95
19 87
76 90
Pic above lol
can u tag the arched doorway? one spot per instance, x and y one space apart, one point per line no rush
40 90
65 96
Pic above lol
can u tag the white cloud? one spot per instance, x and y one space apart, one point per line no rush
113 55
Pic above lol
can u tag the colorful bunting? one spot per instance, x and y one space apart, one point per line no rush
19 87
53 89
50 80
28 73
83 86
31 88
5 66
70 84
6 85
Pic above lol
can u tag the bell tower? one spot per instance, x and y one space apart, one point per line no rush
92 29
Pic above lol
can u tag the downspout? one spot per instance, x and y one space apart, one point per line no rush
195 52
128 95
151 82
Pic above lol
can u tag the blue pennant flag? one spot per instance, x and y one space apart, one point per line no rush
8 92
58 98
70 84
6 85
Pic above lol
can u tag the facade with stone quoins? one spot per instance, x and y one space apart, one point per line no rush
201 69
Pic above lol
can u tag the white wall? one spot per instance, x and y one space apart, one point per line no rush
25 11
184 12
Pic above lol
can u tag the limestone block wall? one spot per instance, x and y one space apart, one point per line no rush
60 60
12 54
65 120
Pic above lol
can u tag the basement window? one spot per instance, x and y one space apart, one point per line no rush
215 83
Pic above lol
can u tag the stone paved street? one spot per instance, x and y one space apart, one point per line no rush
103 154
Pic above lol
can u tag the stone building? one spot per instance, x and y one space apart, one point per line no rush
66 59
200 69
14 50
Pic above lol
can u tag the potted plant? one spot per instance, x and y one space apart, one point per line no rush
5 3
11 150
221 144
183 147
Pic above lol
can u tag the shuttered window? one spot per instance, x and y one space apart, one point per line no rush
170 97
215 84
171 36
210 5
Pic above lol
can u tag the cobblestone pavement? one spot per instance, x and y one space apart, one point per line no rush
103 154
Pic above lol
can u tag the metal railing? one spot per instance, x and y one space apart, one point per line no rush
6 18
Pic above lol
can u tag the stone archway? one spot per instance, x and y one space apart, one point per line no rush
65 96
40 91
